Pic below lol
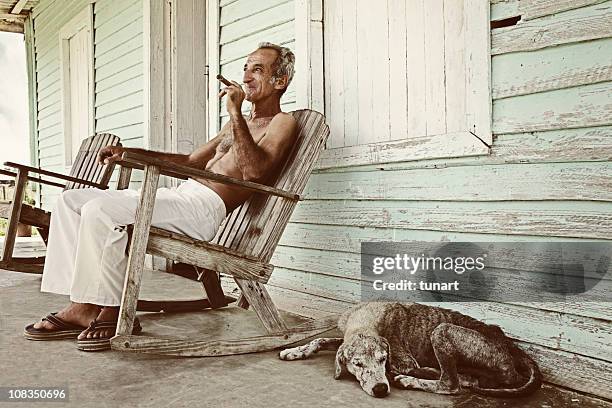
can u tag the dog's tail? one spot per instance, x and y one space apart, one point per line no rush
525 364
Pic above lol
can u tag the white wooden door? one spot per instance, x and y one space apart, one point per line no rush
77 76
79 88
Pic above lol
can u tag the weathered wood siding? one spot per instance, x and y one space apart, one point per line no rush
243 24
548 178
119 73
118 66
119 70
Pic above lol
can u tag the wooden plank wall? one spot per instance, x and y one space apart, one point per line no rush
548 178
243 25
119 70
118 76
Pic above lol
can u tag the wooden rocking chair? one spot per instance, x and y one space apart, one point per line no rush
85 172
242 248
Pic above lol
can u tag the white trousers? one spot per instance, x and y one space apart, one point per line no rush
87 237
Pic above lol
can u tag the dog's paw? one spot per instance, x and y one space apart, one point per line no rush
292 354
412 383
406 381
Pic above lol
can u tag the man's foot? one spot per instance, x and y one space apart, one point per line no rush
66 324
79 314
96 337
106 314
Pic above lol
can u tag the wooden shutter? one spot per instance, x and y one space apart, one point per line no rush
416 70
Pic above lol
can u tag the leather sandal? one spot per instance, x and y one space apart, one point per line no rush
61 330
102 343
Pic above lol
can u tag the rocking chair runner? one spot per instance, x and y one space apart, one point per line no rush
85 172
242 248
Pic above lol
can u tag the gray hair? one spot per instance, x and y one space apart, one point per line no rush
284 64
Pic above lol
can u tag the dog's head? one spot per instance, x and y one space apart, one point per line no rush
366 358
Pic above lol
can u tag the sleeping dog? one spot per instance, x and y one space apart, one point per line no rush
425 348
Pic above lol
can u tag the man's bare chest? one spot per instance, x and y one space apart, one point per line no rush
227 140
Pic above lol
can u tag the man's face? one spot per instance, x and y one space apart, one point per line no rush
258 74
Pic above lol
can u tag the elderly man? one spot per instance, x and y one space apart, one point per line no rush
87 239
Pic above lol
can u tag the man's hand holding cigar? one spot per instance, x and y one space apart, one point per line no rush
235 95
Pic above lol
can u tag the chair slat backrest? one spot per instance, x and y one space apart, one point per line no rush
86 166
256 227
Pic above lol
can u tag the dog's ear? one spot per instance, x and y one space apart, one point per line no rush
340 363
388 348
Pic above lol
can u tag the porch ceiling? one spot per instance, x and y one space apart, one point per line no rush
13 14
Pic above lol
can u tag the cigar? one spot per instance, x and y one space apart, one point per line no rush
223 80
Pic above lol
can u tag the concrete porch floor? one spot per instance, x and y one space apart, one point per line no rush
255 380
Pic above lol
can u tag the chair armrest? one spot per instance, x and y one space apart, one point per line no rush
34 179
138 160
8 173
55 175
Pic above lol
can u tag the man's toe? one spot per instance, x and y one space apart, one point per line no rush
43 324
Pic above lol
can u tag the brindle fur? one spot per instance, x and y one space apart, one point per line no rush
425 348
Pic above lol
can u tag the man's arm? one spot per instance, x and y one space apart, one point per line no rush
198 158
202 155
256 161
